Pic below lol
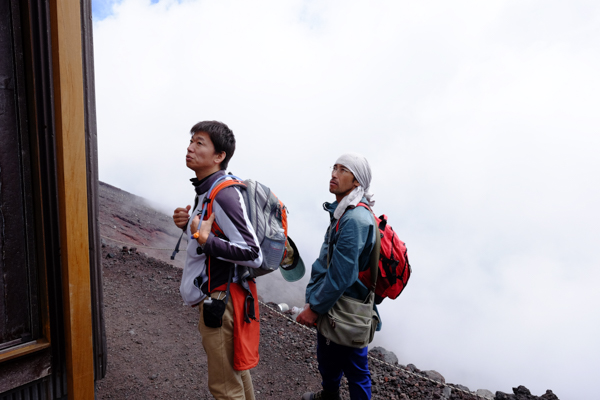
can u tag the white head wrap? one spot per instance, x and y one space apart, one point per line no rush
359 166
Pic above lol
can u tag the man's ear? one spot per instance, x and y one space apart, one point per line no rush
220 157
356 183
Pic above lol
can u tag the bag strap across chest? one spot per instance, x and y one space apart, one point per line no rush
374 256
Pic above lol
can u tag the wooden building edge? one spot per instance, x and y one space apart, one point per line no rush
52 335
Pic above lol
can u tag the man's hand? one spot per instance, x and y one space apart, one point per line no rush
181 216
204 227
307 317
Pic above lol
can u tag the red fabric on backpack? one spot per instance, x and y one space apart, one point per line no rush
394 268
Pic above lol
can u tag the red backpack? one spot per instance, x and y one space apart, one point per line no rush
394 268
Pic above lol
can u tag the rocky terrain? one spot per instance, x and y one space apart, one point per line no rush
154 347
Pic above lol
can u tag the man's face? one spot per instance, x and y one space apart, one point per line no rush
201 154
342 181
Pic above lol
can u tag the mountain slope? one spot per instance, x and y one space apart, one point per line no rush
154 348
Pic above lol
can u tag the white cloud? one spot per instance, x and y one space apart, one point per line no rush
479 120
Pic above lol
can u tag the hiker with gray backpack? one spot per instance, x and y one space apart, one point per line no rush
237 231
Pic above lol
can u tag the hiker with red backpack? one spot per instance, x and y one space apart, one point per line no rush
219 251
346 251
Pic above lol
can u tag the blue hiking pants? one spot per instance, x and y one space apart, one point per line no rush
335 360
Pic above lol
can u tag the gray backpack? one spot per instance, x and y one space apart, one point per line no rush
267 214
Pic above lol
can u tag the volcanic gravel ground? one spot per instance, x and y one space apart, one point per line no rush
155 350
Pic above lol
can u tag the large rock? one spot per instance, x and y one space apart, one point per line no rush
549 396
436 376
484 393
382 354
461 387
521 391
505 396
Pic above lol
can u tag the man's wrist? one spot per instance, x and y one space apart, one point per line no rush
201 239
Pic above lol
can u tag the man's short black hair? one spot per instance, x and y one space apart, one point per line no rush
221 137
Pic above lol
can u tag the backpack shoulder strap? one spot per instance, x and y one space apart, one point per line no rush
212 194
220 184
374 258
215 191
337 226
375 252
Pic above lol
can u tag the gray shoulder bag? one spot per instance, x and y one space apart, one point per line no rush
352 322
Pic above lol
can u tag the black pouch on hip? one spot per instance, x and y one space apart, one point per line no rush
212 312
213 309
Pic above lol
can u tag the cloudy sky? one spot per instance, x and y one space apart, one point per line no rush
480 120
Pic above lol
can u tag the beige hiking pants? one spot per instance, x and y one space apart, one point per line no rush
223 381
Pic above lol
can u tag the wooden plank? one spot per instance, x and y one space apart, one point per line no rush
24 349
72 187
98 325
